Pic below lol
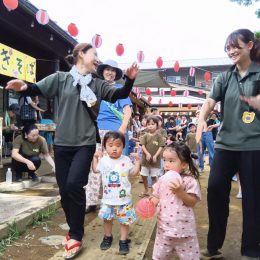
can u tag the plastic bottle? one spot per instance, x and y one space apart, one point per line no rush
8 176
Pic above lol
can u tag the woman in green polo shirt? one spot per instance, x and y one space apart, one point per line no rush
237 146
26 150
78 96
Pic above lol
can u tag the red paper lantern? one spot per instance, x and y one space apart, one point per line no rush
120 49
96 41
176 66
73 29
189 106
148 91
140 56
186 93
192 71
149 99
42 17
207 76
170 104
200 92
173 93
159 62
10 4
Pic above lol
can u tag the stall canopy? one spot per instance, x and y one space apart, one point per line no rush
151 79
154 81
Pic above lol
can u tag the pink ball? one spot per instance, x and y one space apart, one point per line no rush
145 208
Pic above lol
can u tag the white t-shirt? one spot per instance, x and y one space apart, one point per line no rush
116 186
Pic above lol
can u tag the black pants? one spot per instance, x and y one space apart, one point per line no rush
20 167
72 170
225 165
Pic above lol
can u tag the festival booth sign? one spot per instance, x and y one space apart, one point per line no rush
16 64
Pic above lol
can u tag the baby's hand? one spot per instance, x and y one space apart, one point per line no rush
176 186
135 156
98 154
148 157
154 200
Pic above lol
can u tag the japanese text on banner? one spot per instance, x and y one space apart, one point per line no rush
17 64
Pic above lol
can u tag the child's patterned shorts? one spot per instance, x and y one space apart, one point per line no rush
125 214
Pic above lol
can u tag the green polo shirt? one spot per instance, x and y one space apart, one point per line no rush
74 126
234 134
30 148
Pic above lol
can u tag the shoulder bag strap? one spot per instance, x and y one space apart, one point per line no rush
223 93
92 116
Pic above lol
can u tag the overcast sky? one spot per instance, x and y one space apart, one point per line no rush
172 29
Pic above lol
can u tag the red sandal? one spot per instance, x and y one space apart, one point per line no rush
66 239
76 244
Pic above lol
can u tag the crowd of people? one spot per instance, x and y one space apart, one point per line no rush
95 145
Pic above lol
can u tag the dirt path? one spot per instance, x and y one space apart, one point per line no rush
29 247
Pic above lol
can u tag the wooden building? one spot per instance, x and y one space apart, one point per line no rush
48 44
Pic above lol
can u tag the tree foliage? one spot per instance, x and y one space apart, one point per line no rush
244 2
247 3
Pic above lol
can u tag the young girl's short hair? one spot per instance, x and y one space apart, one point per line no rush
153 119
185 155
114 135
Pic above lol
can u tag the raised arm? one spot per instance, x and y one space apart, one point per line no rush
25 89
137 163
127 116
130 75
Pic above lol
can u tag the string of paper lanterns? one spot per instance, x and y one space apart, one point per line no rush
42 18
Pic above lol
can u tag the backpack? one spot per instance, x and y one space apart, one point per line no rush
27 112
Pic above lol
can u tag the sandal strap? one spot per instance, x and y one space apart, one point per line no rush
67 237
77 244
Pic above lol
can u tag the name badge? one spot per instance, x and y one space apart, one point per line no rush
248 117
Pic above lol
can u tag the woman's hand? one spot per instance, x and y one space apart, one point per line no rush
252 101
16 85
201 125
31 166
132 71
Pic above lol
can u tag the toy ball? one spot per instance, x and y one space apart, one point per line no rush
145 208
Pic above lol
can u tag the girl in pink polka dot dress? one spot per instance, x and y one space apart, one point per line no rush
175 194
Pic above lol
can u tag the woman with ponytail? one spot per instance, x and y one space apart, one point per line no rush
237 146
79 95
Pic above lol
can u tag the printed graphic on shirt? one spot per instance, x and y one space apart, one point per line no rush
114 179
116 186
